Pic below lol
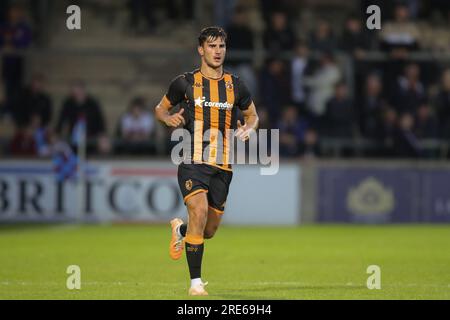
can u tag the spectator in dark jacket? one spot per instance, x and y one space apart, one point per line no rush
406 142
292 132
240 36
443 105
279 35
2 101
387 131
80 106
426 123
339 115
33 100
322 38
371 106
410 92
301 66
354 40
274 87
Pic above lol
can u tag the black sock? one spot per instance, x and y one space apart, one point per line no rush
194 255
183 229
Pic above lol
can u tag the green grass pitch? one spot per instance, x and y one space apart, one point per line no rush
308 262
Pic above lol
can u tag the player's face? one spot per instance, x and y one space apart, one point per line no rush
213 52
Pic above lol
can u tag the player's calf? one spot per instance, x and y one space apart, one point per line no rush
213 222
198 213
210 232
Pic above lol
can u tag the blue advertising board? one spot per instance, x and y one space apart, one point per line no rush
383 195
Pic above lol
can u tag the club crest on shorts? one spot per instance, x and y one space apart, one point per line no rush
229 85
188 185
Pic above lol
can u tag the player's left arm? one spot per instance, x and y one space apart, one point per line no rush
251 121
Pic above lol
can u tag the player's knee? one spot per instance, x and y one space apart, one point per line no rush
198 211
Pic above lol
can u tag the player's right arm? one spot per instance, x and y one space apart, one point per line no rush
175 95
162 113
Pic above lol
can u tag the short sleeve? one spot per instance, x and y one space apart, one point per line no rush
177 90
245 98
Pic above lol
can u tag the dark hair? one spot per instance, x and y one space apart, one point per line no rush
211 33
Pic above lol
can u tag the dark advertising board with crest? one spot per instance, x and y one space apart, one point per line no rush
383 195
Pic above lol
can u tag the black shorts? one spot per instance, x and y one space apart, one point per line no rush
196 178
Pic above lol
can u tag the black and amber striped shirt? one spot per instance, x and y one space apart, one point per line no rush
210 108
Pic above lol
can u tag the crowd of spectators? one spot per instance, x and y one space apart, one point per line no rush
395 105
301 88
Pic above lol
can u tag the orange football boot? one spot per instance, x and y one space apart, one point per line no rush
177 242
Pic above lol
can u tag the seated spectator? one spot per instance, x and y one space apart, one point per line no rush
340 116
409 93
355 40
240 38
322 38
386 132
443 105
321 84
309 148
34 99
274 87
292 132
31 140
23 143
81 110
300 67
400 35
136 127
406 143
2 101
426 123
279 35
371 106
